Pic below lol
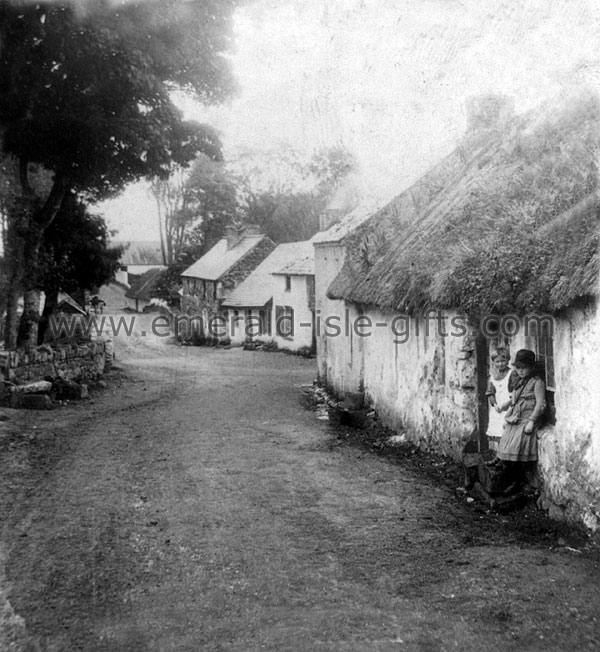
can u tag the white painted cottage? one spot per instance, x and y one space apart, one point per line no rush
275 303
497 244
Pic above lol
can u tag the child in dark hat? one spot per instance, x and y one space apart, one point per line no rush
518 445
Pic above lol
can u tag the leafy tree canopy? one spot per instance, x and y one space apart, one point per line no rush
75 254
87 95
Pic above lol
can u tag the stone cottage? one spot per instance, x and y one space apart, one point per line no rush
143 290
274 304
497 244
137 258
210 280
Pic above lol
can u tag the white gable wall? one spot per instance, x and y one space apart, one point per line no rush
296 298
337 360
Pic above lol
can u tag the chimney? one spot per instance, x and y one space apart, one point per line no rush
235 233
488 112
344 200
329 217
252 229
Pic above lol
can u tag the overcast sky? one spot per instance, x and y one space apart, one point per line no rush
387 78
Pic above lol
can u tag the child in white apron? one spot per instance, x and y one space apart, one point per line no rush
498 393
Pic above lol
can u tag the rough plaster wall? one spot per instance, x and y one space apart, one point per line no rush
331 351
297 298
426 384
569 452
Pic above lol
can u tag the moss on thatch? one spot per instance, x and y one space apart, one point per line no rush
507 222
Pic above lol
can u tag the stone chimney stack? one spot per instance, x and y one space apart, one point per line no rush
344 200
236 232
488 112
328 217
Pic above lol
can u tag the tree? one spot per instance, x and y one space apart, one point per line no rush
196 206
288 209
192 204
87 96
75 255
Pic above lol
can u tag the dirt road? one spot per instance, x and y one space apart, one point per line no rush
194 505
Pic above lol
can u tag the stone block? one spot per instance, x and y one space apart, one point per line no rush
31 401
40 386
69 390
354 400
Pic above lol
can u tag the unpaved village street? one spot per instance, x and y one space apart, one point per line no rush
195 505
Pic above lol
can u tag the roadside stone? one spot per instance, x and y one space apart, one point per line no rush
69 390
31 401
40 386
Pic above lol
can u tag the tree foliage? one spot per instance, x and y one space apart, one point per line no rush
86 95
288 211
76 254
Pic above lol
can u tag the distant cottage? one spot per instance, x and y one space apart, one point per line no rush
211 279
276 302
490 247
143 290
137 258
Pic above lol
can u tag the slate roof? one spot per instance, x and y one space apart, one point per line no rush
303 262
66 303
140 252
257 289
144 287
220 259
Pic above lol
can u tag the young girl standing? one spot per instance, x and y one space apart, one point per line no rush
498 393
518 445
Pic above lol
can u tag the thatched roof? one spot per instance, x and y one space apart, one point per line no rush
507 222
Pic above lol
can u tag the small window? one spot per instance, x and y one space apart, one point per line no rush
265 322
284 321
543 345
545 355
288 283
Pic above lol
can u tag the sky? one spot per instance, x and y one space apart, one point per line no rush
388 79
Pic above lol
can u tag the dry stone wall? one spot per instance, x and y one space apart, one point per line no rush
82 362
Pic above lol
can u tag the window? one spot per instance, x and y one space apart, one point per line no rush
284 321
265 322
288 283
310 291
544 352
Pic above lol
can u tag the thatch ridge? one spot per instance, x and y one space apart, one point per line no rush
507 222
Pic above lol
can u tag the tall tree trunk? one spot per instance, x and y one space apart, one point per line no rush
18 222
30 319
29 220
45 334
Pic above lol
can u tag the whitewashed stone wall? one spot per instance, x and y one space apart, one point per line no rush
420 380
297 298
337 361
569 452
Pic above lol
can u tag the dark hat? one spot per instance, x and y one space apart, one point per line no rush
524 358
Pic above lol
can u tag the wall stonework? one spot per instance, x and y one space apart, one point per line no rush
569 452
196 304
84 361
420 380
